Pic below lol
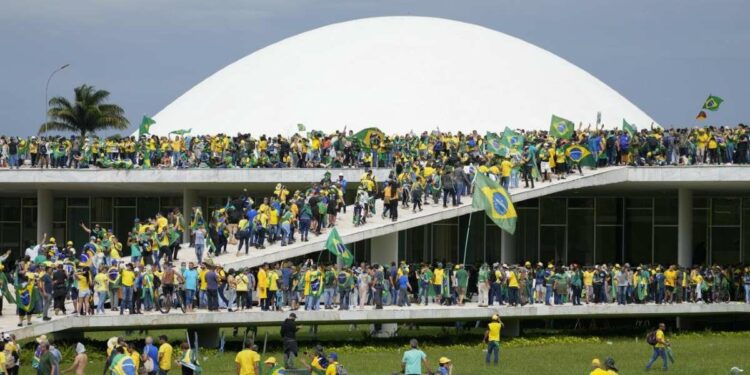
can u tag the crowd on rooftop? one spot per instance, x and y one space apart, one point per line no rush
315 149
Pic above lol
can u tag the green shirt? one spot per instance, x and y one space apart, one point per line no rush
463 278
46 361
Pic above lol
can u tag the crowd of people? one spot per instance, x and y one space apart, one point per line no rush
316 149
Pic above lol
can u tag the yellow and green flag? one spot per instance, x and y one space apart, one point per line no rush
336 246
495 201
4 289
26 295
712 103
580 155
495 145
628 128
145 127
181 132
513 139
364 136
561 128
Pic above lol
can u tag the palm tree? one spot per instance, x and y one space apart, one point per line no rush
88 114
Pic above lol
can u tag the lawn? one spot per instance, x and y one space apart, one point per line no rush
539 352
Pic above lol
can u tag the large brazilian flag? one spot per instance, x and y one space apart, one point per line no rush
580 155
364 136
495 145
495 201
712 103
561 128
336 246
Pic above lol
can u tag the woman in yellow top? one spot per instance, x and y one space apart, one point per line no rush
263 287
101 287
83 278
273 288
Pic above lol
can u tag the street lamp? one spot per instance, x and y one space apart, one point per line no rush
46 97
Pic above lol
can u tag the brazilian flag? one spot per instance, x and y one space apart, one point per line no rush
495 145
364 137
336 246
145 127
495 201
26 295
561 128
628 128
181 132
580 155
712 103
123 365
87 257
512 139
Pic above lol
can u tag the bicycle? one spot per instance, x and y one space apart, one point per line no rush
165 301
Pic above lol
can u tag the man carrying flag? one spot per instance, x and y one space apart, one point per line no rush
336 246
145 127
26 298
628 128
495 201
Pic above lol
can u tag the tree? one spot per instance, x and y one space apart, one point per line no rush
88 114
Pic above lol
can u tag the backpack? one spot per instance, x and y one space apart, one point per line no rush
651 338
340 370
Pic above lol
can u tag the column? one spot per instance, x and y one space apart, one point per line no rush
508 248
44 208
384 250
189 200
685 227
208 337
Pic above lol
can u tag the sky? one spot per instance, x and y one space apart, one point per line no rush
665 56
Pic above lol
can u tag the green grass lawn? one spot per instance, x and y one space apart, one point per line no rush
541 352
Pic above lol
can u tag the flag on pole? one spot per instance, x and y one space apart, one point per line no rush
512 139
335 245
628 128
701 115
712 103
580 155
145 127
561 128
495 201
364 137
495 145
181 131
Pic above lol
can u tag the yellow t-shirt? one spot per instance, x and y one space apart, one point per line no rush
512 280
438 279
2 359
588 278
136 357
202 279
598 371
670 277
659 338
262 283
331 369
273 278
247 360
101 282
241 281
165 362
494 329
127 277
83 282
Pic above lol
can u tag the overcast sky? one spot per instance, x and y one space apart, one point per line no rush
665 56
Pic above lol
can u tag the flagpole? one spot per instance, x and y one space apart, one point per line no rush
466 241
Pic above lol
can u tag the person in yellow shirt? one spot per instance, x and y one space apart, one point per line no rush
83 277
332 364
101 287
596 367
127 279
513 290
659 348
273 287
134 355
670 279
247 361
588 284
164 355
505 168
492 338
3 369
437 282
263 287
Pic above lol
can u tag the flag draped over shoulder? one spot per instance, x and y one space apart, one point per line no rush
628 128
495 201
561 128
87 257
580 155
145 127
364 136
335 245
712 103
4 290
26 296
495 145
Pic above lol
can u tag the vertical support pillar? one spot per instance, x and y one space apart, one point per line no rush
685 227
44 208
508 248
209 337
189 199
384 250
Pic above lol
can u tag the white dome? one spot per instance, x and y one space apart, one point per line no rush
399 74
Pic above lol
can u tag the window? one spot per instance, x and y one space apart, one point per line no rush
638 236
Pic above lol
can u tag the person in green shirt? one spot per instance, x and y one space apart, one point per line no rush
425 283
329 285
345 283
483 284
462 278
47 362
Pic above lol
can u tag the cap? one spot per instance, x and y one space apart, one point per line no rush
70 243
334 356
270 361
495 317
444 360
293 316
596 362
